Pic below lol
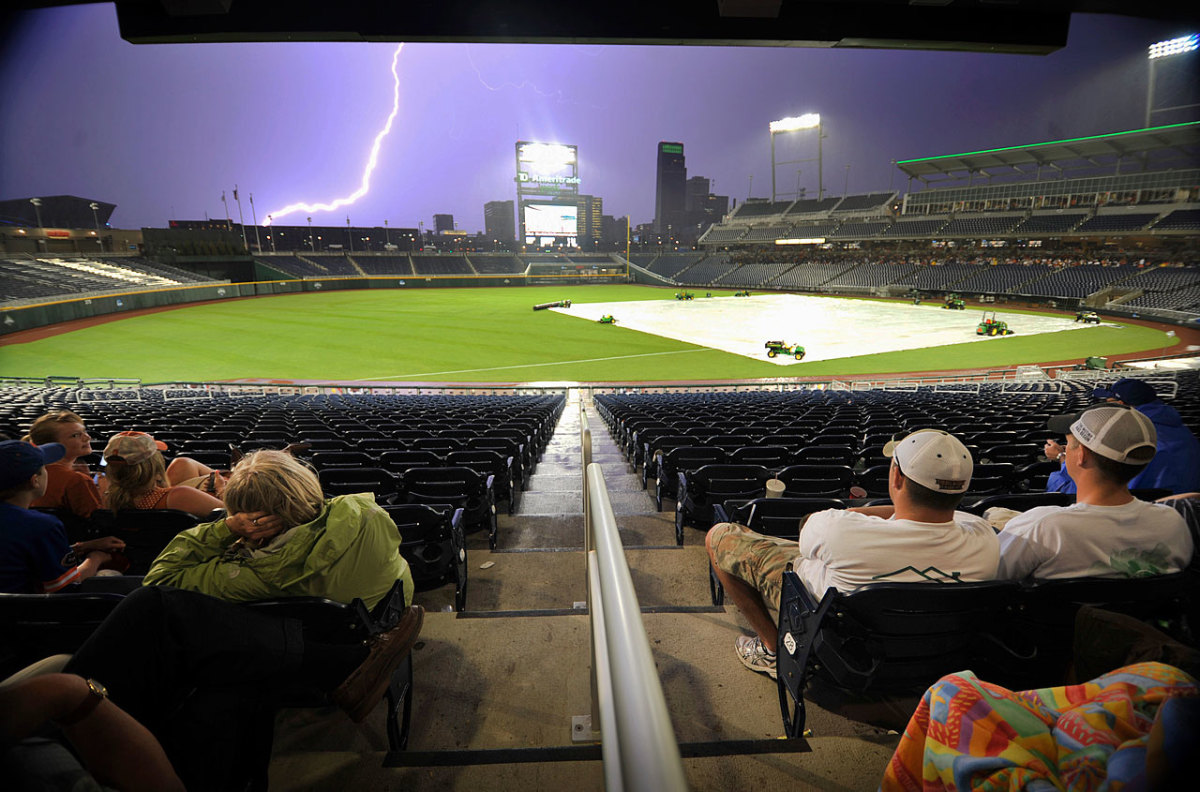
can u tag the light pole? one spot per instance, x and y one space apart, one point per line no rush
228 220
798 124
387 244
37 208
349 233
254 217
271 236
1166 49
311 244
241 219
96 220
846 186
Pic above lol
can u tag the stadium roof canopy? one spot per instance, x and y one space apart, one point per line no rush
57 211
1176 141
1018 26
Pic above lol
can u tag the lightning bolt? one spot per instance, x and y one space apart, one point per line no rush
557 96
371 160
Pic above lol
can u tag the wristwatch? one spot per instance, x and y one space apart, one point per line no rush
96 693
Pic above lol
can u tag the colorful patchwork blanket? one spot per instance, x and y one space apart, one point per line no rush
972 735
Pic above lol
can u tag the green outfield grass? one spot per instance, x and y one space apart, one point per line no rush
468 335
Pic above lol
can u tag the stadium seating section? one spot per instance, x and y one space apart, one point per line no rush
30 277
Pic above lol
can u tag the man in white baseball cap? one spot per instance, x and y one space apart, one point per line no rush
920 537
1106 532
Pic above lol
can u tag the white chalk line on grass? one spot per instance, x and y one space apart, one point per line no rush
534 365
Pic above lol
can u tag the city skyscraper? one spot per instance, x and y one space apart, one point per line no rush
695 192
669 194
500 221
443 223
589 221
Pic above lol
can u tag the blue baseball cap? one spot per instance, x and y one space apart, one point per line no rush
20 460
1130 391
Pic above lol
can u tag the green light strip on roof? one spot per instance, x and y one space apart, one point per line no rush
1049 143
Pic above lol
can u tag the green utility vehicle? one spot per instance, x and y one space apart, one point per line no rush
992 326
776 348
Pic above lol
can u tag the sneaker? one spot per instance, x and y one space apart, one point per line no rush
754 655
366 685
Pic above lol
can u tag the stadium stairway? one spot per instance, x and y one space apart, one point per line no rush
497 685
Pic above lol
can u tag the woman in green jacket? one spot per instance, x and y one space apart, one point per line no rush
282 538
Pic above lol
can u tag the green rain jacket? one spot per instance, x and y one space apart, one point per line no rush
352 549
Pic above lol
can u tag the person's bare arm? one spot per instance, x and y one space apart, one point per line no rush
1180 496
114 747
193 501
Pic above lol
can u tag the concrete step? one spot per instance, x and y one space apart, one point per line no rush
553 503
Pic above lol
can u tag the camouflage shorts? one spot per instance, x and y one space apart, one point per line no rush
759 560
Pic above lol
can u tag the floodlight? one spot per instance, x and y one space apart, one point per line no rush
1175 46
547 156
806 121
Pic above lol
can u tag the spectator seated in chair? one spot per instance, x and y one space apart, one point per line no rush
139 478
1106 532
205 677
1135 727
922 537
34 555
282 538
69 482
1176 466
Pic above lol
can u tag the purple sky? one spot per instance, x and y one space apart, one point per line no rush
161 130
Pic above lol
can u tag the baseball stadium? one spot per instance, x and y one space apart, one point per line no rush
555 424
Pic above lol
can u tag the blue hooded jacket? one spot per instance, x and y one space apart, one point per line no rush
1176 464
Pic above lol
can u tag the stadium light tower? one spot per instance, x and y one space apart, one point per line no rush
37 208
798 124
1166 49
96 219
311 244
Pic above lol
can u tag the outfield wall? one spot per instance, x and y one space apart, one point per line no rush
28 317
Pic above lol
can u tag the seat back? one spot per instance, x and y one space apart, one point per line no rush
816 480
350 480
875 479
399 461
991 478
770 456
706 486
892 639
1050 607
778 516
329 459
39 625
826 455
145 532
459 486
433 543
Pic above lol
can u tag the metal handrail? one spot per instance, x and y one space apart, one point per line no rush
633 705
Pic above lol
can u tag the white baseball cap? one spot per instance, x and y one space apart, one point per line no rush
934 459
1114 431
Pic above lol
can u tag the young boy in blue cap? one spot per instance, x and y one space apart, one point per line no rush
34 554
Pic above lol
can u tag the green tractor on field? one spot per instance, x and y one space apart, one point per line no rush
955 303
1087 317
607 319
742 293
991 326
1094 363
685 295
775 348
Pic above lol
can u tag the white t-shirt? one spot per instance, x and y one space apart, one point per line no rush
844 550
1133 540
